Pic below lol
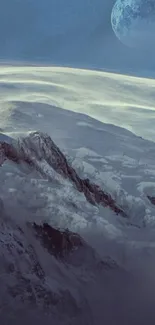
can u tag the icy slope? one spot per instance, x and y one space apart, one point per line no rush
48 180
35 283
49 273
46 273
87 190
122 164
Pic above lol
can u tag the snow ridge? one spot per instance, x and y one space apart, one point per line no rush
38 150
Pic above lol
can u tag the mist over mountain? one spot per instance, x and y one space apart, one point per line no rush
77 168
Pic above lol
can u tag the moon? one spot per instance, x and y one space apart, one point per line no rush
133 22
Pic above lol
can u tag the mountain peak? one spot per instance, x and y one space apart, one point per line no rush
38 151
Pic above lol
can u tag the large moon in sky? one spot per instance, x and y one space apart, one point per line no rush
133 22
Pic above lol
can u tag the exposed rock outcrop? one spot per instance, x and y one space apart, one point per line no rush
32 279
38 150
59 243
152 199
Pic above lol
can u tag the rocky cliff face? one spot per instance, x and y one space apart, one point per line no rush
41 153
26 285
46 270
48 273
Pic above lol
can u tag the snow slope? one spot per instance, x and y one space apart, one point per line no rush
51 276
102 123
52 99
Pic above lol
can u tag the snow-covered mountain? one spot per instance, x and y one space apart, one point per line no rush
77 153
61 169
47 270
